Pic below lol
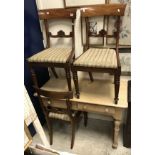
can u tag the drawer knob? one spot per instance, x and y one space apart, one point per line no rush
107 110
84 107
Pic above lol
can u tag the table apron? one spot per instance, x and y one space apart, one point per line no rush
115 112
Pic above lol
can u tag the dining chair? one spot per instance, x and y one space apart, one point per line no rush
100 59
51 112
55 57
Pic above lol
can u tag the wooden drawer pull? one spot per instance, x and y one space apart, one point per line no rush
106 110
84 107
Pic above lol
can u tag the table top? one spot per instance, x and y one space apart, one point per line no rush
99 92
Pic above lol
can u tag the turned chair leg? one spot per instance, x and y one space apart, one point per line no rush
75 79
91 76
85 118
68 77
73 133
54 72
117 85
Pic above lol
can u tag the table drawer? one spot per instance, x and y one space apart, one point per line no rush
96 108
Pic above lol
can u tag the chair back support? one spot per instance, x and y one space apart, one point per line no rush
46 98
105 10
49 14
54 94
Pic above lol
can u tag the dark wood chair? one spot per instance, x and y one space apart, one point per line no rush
100 59
52 57
51 112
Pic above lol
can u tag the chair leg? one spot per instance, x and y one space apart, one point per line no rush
85 118
49 124
68 77
91 76
51 133
54 72
117 85
75 79
34 77
73 133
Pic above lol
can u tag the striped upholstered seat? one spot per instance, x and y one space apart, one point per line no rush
95 57
55 55
64 117
56 115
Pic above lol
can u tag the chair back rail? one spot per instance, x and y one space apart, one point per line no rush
103 10
57 13
55 94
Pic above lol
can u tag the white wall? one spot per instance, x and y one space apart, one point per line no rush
45 4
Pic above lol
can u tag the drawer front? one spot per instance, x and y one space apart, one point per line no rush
96 108
62 104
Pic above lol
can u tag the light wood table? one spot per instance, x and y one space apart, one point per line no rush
95 97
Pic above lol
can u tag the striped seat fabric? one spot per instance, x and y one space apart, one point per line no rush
95 57
60 116
54 55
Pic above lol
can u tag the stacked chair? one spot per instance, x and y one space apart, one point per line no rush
46 98
54 56
100 59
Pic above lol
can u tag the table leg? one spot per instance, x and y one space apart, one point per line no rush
116 133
